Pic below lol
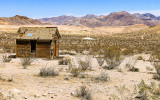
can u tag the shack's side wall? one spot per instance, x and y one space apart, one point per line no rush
22 48
43 49
57 48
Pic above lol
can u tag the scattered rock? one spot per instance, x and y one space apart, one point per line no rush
44 95
52 97
73 93
37 96
55 95
50 93
25 97
66 78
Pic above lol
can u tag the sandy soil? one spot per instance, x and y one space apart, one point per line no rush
27 84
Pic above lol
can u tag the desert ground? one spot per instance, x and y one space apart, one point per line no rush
122 63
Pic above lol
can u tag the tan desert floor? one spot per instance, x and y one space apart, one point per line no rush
28 85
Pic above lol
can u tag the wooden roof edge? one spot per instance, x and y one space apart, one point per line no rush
38 27
59 36
34 39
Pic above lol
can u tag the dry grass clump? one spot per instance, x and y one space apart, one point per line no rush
100 60
6 58
84 65
75 71
48 71
103 77
2 97
65 61
130 66
140 58
157 67
148 92
83 93
112 63
26 62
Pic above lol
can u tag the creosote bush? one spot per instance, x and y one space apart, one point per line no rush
6 58
83 93
48 71
112 57
26 62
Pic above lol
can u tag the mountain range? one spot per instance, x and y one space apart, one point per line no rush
19 20
113 19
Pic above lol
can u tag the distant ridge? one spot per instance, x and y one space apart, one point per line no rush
19 20
113 19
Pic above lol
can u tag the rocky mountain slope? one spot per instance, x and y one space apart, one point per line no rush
113 19
146 16
57 20
19 20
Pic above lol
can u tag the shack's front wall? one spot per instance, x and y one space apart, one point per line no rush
43 49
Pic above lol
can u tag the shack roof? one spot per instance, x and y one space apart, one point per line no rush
34 33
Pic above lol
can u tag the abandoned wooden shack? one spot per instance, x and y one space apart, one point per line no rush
38 42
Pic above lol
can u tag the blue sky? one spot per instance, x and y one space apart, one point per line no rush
51 8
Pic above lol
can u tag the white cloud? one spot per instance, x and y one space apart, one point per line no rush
154 12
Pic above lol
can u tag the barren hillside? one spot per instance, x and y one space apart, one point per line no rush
19 20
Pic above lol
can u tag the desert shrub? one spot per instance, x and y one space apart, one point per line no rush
7 47
130 66
75 71
112 57
100 61
2 97
148 92
103 77
149 69
139 58
83 93
157 67
84 65
26 62
6 58
64 61
112 53
112 63
123 94
48 71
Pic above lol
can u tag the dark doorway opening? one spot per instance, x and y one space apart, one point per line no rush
33 46
55 48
